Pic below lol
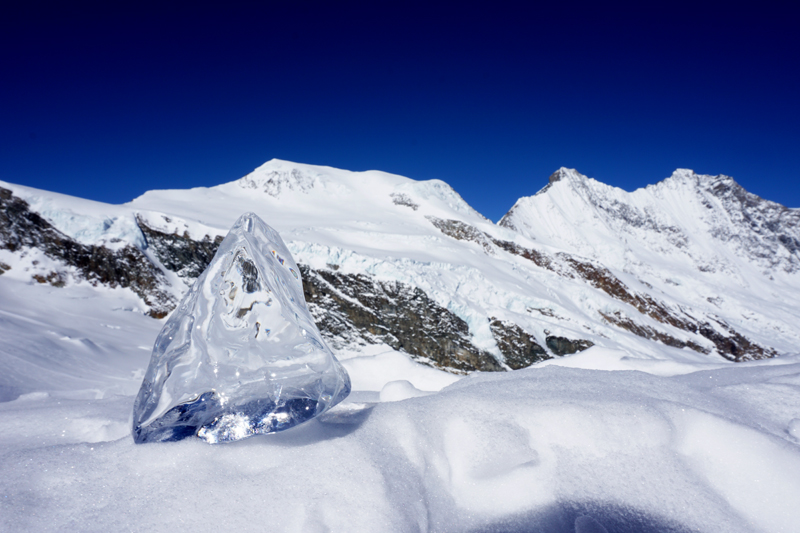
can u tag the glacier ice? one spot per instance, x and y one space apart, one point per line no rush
241 355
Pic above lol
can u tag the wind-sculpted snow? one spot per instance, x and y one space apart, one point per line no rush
672 447
241 356
642 432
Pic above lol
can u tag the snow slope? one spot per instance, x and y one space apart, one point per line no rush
704 223
628 435
564 447
703 241
659 243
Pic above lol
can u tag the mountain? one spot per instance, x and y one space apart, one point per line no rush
649 426
693 268
700 242
705 224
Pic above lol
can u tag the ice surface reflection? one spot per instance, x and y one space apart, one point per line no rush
241 355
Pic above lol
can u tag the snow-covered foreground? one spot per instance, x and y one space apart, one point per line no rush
596 442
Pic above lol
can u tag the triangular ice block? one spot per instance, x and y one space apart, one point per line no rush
241 355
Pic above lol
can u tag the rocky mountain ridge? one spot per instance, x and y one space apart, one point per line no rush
349 309
437 280
687 211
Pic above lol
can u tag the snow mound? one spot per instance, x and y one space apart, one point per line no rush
551 448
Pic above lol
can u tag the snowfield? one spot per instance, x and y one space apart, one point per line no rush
630 435
599 441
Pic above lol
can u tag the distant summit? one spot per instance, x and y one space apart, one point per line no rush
707 223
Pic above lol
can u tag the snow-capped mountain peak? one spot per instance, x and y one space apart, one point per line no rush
708 219
275 176
577 264
681 173
566 177
566 174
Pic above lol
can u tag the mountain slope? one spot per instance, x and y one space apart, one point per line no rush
680 440
709 223
389 260
701 241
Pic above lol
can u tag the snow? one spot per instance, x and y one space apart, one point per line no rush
352 220
689 245
86 221
601 439
629 435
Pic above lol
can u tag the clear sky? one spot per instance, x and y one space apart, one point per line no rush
108 100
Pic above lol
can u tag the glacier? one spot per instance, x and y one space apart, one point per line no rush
631 434
627 287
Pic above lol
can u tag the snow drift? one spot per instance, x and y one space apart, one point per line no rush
649 428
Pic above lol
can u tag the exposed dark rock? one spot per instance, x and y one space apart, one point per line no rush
180 253
564 346
403 199
624 322
357 308
462 232
517 346
129 267
352 309
759 228
56 279
4 268
536 257
558 175
276 181
733 346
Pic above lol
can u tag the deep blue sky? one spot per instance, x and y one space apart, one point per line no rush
107 101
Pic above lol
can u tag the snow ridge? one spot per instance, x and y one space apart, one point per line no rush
711 221
580 261
642 431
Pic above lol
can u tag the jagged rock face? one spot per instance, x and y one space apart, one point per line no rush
670 218
128 267
404 200
354 307
276 181
179 253
729 343
708 226
565 346
765 231
519 348
462 232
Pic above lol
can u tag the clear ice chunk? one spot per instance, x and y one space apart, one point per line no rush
241 355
